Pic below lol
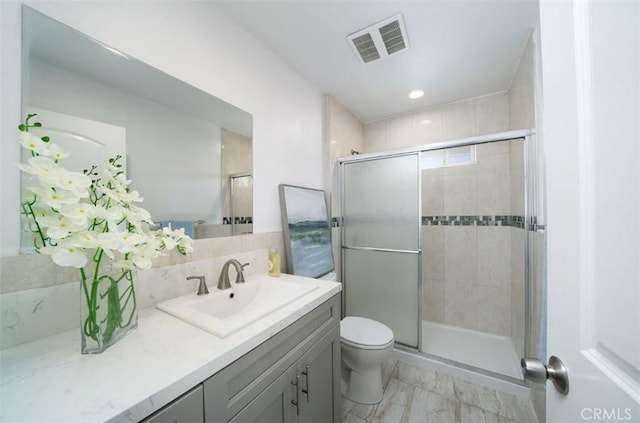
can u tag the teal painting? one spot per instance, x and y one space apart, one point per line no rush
307 231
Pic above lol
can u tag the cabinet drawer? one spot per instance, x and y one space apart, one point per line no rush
231 389
189 408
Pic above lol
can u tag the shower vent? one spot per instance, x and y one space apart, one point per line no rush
380 40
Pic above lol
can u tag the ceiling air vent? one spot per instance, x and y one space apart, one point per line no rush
380 40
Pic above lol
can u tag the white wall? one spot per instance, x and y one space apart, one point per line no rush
197 43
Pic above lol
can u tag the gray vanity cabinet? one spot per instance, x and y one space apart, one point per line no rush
186 409
292 377
317 373
259 386
303 393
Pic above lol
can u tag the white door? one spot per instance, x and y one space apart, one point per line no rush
591 128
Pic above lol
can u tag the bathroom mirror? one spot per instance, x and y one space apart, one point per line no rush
184 148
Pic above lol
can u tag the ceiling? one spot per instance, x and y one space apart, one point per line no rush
457 49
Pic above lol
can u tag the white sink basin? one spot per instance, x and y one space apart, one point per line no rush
225 312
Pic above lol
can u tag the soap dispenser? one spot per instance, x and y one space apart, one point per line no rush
274 262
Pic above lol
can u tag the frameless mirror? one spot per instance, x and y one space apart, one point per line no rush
188 153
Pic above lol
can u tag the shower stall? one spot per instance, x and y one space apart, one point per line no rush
438 241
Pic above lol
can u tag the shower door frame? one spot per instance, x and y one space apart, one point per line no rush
232 205
418 251
527 137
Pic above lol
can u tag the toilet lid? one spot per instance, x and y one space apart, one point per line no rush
365 333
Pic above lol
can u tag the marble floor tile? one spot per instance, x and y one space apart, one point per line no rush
362 411
397 392
428 407
350 418
467 392
516 408
395 402
388 369
471 414
438 382
415 394
392 413
489 400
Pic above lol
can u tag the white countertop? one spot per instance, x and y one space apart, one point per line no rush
50 381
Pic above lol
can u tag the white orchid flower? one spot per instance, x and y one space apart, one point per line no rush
54 199
143 255
57 154
66 254
34 144
111 214
123 264
75 182
43 167
136 215
58 227
79 213
121 196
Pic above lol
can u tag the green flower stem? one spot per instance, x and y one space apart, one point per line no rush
28 210
117 305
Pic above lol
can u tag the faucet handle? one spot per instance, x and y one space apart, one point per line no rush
240 275
202 288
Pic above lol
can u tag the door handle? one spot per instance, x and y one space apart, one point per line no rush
534 370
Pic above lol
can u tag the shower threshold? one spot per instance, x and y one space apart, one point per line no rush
478 349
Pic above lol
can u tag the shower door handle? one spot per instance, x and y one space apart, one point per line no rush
534 370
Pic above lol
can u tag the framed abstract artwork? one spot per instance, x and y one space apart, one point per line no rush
307 231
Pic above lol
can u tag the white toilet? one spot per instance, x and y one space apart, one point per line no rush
365 346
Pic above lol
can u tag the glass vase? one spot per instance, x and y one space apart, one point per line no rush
108 310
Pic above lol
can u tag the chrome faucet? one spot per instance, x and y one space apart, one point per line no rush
223 281
202 288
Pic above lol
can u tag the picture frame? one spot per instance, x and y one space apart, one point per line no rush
307 231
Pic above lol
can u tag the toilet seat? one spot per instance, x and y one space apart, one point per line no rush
366 334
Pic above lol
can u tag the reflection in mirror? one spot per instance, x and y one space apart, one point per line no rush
182 146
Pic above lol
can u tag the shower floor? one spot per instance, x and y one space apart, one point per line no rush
478 349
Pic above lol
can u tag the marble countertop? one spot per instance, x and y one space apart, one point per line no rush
50 381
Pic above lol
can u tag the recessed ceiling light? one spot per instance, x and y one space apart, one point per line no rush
416 94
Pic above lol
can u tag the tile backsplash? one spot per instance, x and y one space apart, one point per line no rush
39 299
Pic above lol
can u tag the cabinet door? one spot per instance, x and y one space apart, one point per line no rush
319 371
273 405
189 408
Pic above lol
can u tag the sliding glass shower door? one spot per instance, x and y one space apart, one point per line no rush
381 254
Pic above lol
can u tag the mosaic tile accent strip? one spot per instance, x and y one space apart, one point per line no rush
485 220
239 220
467 220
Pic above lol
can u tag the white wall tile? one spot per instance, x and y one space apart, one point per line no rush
460 254
494 256
399 132
492 113
427 126
432 192
494 310
460 188
459 120
433 300
461 304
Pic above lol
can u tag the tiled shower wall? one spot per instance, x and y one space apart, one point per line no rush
467 263
466 272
